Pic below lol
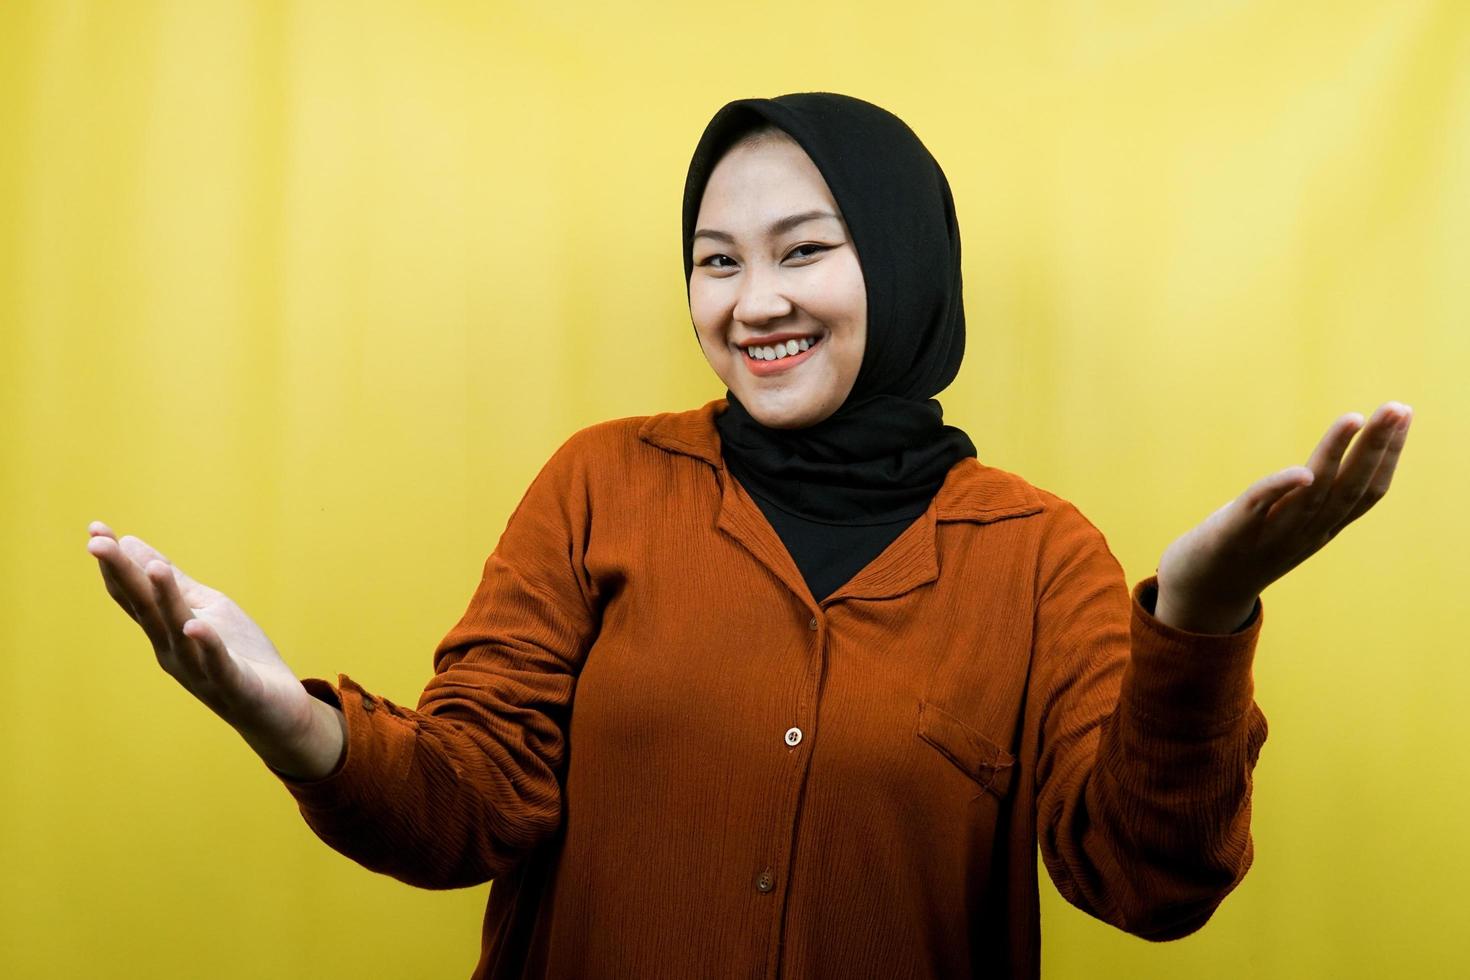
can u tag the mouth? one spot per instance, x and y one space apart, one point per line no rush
767 359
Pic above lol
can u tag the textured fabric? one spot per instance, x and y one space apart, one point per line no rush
752 785
885 451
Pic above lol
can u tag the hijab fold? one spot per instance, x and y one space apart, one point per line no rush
881 457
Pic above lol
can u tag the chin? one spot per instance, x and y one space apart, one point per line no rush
780 416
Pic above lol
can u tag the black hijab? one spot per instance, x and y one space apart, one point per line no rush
839 491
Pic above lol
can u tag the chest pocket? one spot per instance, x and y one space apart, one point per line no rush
976 755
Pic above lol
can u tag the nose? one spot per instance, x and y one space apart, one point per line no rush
760 299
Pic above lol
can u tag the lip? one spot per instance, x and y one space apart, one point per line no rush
763 369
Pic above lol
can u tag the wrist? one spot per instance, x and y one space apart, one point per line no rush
1203 617
314 755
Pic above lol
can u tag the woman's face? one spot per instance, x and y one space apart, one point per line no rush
775 270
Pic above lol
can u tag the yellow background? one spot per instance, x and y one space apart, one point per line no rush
305 294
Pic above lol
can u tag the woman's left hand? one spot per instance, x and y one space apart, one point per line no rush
1209 578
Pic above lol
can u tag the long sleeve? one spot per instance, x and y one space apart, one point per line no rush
1148 742
456 791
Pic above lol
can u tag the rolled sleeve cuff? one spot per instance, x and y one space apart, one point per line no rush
1188 682
380 744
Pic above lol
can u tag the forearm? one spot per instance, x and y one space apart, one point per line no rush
431 801
1178 809
1150 828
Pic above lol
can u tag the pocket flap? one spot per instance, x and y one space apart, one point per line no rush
976 755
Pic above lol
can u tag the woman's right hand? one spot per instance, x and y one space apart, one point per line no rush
203 640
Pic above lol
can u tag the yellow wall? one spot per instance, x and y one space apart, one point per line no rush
304 294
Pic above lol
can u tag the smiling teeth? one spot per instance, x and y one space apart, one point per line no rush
774 352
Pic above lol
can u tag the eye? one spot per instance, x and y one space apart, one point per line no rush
819 248
712 258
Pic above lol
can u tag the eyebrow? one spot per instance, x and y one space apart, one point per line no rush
776 227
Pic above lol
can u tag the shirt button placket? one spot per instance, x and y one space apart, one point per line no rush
793 734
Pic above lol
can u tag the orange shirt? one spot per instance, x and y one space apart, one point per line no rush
751 785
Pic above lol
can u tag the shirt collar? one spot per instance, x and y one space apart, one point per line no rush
972 491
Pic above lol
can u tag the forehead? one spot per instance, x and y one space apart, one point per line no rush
762 180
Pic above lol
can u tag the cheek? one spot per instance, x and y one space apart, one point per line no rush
838 295
707 308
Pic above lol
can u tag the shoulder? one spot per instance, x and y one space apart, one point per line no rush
1070 541
590 453
651 438
609 436
975 491
621 448
984 494
590 464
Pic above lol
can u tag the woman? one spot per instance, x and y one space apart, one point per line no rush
836 680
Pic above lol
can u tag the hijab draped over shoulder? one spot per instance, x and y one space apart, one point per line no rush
838 492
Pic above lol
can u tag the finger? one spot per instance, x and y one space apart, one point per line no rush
98 528
1351 483
141 551
1295 510
109 581
1327 457
176 613
219 666
127 584
1382 477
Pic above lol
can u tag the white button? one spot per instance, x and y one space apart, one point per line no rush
793 736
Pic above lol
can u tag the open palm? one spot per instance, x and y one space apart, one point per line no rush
1284 518
203 639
